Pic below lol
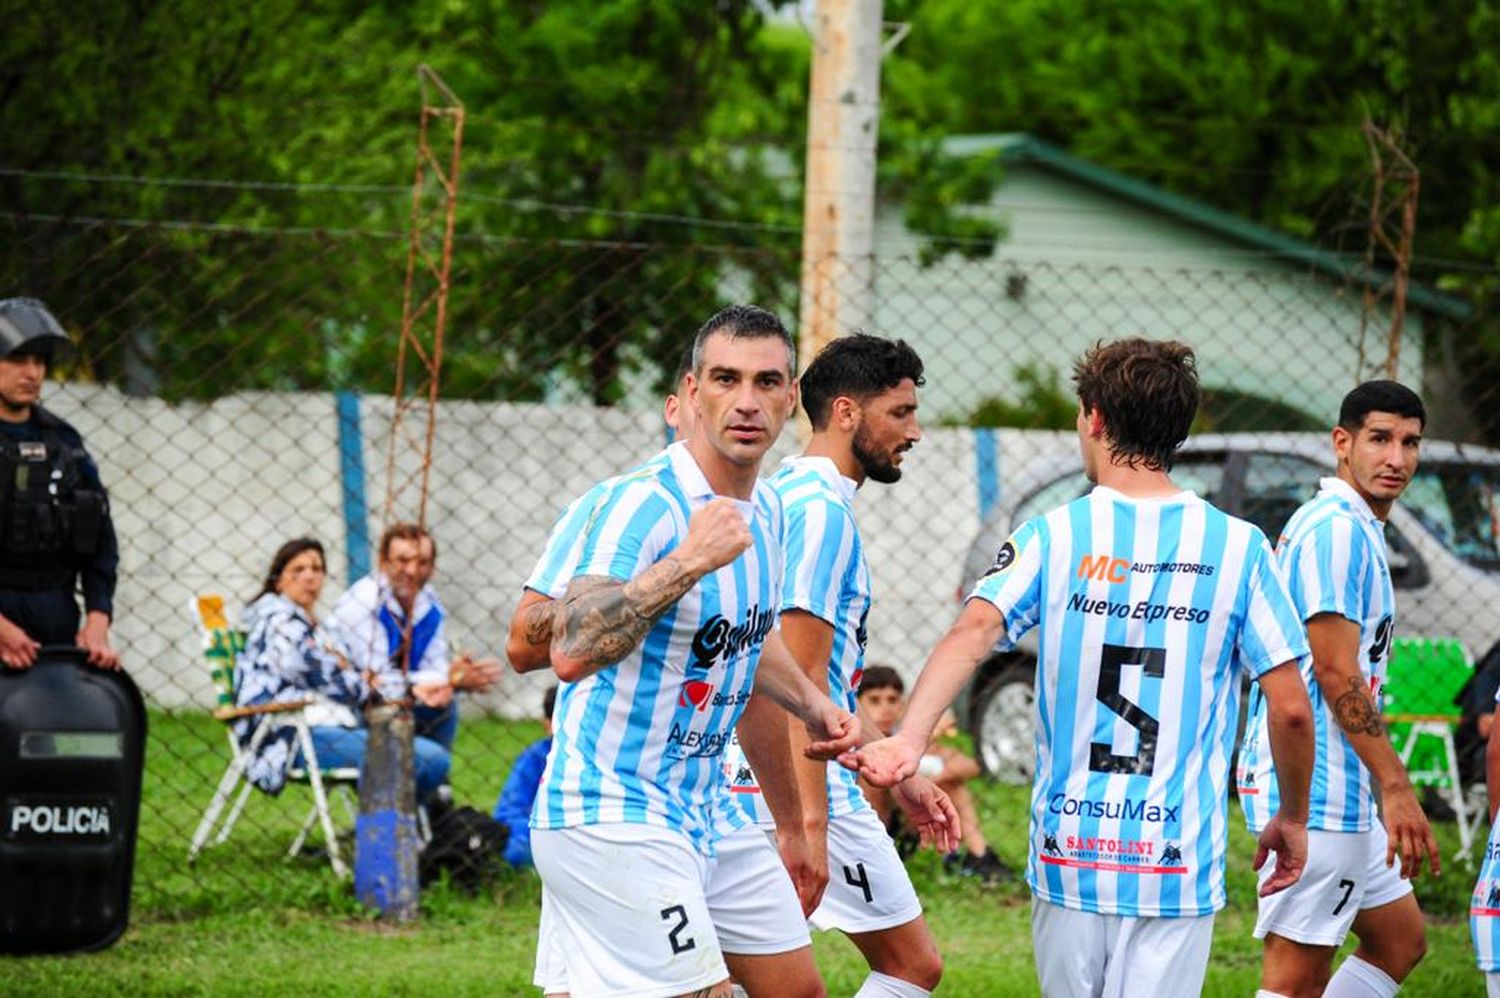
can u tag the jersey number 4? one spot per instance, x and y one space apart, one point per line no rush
1153 663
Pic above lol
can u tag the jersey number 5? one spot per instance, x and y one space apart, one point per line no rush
1153 662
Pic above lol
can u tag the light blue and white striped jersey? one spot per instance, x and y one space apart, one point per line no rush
1148 609
1484 907
826 576
553 570
1332 552
641 742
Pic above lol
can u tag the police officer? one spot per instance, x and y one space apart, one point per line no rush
54 513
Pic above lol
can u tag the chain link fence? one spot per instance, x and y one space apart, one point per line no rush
233 385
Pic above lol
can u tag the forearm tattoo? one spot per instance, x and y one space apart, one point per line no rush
1355 710
539 623
601 620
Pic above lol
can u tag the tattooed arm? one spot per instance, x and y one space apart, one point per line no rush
1346 692
529 645
601 619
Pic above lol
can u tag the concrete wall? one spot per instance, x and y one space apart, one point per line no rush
203 493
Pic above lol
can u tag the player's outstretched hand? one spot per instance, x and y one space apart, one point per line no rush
929 811
831 732
888 761
806 863
1408 833
1288 840
717 534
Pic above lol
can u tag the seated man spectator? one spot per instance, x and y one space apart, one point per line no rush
882 701
377 612
513 808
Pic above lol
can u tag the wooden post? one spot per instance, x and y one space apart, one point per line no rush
386 841
843 119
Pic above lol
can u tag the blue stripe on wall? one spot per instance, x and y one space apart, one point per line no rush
352 477
987 469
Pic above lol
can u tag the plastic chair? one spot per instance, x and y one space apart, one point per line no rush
1423 680
221 643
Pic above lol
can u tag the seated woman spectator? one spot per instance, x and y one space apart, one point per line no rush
289 658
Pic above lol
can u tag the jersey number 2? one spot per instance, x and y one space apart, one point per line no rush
1153 662
678 914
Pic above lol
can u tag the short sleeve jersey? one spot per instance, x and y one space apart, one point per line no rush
826 576
1332 552
642 741
1484 906
552 573
1148 610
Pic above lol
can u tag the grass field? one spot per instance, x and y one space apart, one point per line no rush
245 920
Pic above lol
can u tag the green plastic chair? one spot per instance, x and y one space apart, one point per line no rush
1424 678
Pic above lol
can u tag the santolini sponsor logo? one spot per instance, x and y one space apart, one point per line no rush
1104 568
1125 810
718 637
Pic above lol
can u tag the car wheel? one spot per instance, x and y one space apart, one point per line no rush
1003 725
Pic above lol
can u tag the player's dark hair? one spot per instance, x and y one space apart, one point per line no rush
1380 396
549 700
859 366
881 677
404 532
743 322
283 557
684 365
1147 393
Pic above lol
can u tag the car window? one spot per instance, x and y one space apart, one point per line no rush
1275 485
1050 496
1460 505
1196 473
1203 475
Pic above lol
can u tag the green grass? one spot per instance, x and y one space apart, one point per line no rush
245 920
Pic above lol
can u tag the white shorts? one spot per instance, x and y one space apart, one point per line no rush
635 910
1083 955
1492 985
868 887
1345 874
551 973
751 899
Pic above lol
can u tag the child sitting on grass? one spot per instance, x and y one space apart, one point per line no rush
513 809
882 698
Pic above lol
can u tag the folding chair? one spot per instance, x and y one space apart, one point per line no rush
1424 678
221 643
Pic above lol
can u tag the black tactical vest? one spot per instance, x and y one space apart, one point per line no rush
51 515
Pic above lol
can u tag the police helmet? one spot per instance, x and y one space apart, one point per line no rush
27 327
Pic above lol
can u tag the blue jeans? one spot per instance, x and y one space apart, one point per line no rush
439 724
338 747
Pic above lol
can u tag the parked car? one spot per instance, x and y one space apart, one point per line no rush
1443 538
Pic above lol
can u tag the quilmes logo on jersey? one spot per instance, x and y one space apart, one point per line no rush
1105 568
718 638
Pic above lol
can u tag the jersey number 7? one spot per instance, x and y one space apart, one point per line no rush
1153 662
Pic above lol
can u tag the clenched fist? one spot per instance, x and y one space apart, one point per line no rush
717 534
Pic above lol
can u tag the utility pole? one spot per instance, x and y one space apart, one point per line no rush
843 117
1395 185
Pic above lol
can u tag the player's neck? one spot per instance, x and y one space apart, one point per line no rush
837 451
1138 482
724 476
